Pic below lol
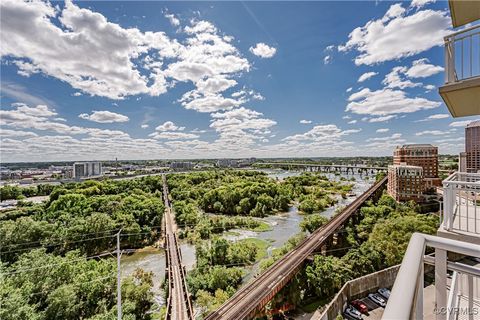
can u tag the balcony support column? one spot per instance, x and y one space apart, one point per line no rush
440 284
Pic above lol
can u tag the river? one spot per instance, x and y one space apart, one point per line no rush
284 225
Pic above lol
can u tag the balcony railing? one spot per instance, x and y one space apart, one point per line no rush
461 203
406 299
462 55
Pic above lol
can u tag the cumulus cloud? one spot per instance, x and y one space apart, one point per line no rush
263 51
395 79
144 126
380 119
366 76
382 130
42 118
390 37
422 69
321 133
386 102
104 117
169 126
172 135
327 59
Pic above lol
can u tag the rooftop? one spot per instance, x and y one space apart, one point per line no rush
473 124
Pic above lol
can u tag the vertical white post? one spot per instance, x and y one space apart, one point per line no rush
470 296
119 284
419 295
441 284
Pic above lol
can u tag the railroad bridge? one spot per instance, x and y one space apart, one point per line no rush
348 169
179 305
252 297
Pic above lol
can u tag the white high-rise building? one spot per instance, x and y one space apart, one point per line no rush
87 169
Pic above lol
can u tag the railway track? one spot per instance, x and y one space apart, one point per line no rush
253 296
179 306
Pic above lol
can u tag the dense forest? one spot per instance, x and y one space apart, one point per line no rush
51 252
209 203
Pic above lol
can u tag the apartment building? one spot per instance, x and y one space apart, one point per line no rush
472 146
421 155
405 182
456 247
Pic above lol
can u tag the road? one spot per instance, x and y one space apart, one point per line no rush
255 294
179 306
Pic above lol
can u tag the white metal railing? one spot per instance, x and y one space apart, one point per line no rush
462 54
461 202
406 299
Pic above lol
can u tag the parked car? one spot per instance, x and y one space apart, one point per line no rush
384 292
360 306
352 313
375 297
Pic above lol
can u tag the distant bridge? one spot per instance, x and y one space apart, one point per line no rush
253 297
179 305
325 167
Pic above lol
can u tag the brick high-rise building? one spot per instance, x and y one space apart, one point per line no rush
472 146
405 182
421 155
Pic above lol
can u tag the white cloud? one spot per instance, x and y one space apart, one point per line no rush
321 133
394 136
172 19
352 121
381 119
386 102
144 126
104 117
382 130
349 89
420 3
463 123
327 59
16 133
330 48
42 118
429 87
169 126
366 76
85 50
422 69
433 133
173 135
263 51
396 35
394 79
435 117
305 121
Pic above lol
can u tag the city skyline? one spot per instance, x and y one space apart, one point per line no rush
222 80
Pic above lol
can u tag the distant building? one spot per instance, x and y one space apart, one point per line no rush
462 162
421 155
181 165
87 169
405 182
226 163
472 146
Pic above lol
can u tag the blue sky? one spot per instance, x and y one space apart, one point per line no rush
151 80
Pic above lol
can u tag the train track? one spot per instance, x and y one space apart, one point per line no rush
179 306
253 296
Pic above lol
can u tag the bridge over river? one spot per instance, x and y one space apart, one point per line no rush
253 296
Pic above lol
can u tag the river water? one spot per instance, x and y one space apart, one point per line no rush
284 225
